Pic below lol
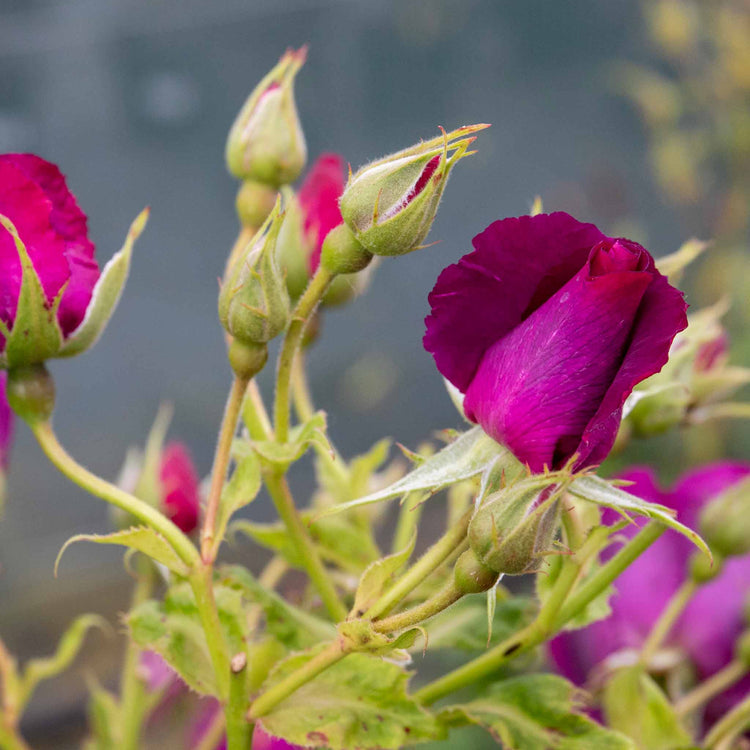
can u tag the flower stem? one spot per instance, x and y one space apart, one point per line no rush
112 494
730 726
303 403
667 620
282 499
430 560
133 689
274 695
557 610
710 688
201 581
209 545
448 595
255 415
238 727
305 307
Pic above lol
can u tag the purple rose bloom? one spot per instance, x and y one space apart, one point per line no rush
546 327
34 196
712 621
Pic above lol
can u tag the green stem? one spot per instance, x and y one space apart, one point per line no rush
667 619
408 520
711 687
729 727
448 595
201 581
305 307
133 688
282 499
255 415
608 572
551 618
430 560
238 727
274 695
209 545
112 494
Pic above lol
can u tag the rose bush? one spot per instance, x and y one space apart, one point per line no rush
546 328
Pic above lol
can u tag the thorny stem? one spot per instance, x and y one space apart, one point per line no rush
711 687
282 499
448 595
112 494
667 620
209 545
305 307
551 618
430 560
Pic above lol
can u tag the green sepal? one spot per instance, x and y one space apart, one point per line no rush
106 295
536 712
467 456
41 669
36 334
600 491
139 538
635 705
360 702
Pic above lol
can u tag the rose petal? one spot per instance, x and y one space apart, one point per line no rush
70 223
538 387
516 265
319 198
180 487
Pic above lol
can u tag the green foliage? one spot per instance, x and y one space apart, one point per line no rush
600 491
240 490
360 702
140 538
280 455
635 705
536 712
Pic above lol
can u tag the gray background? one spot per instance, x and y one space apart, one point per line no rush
133 99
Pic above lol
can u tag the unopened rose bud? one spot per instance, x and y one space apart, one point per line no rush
266 142
254 302
472 576
255 201
390 204
514 529
179 484
725 521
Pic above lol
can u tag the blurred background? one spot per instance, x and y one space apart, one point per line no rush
632 116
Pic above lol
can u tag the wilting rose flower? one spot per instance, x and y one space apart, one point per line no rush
180 487
710 624
6 434
264 741
42 226
546 327
319 200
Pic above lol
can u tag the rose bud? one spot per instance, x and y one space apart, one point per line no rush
725 521
6 436
471 576
713 619
266 142
390 204
54 302
514 528
254 302
264 741
546 327
179 486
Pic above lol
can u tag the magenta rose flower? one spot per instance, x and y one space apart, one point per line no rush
319 200
180 487
47 261
709 626
546 327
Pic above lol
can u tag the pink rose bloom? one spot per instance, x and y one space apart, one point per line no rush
180 487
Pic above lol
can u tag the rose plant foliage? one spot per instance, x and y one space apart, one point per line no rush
558 343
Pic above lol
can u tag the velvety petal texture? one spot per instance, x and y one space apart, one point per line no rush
35 197
180 487
546 328
319 199
708 628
